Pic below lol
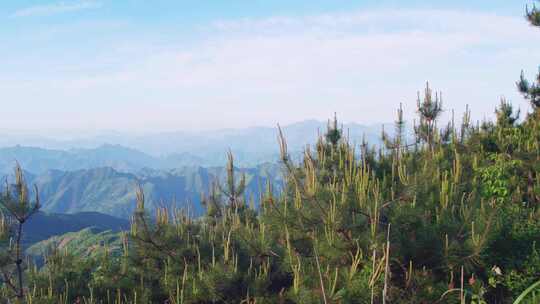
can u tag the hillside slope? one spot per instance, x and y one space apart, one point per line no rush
109 191
42 226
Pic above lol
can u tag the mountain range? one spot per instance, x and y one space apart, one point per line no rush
167 150
89 183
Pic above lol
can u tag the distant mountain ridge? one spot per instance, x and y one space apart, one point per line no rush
167 150
38 160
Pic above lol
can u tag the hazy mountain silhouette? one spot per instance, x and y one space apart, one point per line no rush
167 150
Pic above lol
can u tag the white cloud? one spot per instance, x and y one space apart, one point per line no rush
56 8
293 48
284 69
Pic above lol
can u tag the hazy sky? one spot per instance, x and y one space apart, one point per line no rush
170 65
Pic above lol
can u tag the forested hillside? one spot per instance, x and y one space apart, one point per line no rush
91 242
449 216
108 191
42 226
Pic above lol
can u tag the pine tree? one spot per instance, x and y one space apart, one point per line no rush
505 114
17 207
233 190
397 142
429 108
333 134
531 91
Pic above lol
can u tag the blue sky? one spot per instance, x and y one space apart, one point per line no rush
172 65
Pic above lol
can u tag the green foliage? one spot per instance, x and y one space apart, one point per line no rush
496 177
519 279
531 91
429 110
16 204
452 218
530 295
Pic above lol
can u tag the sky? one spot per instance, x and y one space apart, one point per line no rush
191 65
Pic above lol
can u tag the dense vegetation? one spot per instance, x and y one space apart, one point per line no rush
453 217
